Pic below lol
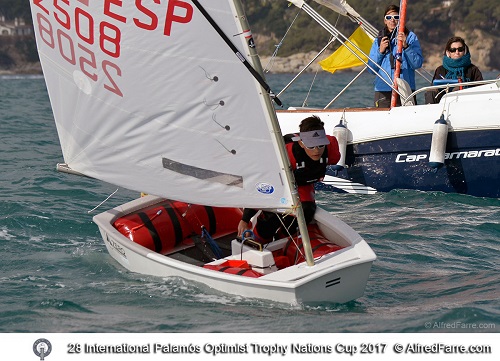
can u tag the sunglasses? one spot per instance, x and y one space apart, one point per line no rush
316 147
460 49
391 17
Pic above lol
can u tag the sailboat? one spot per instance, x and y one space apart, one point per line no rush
452 147
169 99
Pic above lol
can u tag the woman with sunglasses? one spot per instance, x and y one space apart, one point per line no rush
310 152
384 53
456 65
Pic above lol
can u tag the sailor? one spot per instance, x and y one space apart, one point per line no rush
456 65
310 152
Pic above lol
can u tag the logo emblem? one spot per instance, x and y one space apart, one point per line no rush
265 188
42 348
251 43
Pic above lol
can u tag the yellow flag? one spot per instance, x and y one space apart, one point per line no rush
342 58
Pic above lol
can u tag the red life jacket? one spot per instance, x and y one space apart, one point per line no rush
308 171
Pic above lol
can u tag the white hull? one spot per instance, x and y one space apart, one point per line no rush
337 277
367 124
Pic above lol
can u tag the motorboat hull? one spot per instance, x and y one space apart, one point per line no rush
472 164
390 149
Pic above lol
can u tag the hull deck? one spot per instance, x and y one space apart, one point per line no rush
276 272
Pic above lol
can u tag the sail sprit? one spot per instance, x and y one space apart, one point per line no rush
240 56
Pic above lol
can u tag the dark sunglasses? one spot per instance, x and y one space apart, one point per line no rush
390 17
460 49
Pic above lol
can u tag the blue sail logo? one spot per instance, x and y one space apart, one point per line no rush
265 188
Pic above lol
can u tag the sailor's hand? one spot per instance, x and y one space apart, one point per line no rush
402 38
242 227
384 44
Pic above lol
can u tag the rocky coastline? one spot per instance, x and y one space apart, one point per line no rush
433 56
481 52
23 69
290 64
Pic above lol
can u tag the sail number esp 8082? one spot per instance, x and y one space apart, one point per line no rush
72 31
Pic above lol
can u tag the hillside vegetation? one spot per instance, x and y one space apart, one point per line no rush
478 21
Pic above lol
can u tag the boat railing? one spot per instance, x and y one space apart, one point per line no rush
448 88
353 48
445 87
346 87
306 66
405 97
373 32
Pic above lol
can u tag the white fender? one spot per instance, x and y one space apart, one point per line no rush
340 132
438 143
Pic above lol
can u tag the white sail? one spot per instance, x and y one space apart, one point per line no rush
149 97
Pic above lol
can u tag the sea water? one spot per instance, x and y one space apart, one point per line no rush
437 268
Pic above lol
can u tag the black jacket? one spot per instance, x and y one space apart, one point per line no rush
472 73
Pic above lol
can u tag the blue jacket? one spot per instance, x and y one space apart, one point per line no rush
412 59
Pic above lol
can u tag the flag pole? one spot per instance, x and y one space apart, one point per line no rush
399 53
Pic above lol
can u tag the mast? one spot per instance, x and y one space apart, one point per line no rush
281 144
399 53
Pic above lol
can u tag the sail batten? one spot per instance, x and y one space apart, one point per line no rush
204 174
